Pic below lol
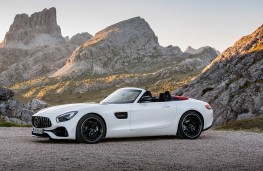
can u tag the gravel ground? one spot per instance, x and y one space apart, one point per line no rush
214 150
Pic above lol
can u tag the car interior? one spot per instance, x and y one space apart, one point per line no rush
163 97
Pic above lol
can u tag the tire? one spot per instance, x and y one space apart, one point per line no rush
190 125
91 129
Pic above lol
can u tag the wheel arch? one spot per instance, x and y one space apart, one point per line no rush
180 132
93 113
197 113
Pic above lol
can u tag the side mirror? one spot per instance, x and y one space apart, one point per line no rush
146 99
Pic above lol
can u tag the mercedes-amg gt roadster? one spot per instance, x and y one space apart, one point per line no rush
127 112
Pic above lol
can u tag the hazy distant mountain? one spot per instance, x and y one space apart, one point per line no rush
80 38
232 83
191 50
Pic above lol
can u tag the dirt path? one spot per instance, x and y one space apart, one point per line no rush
214 150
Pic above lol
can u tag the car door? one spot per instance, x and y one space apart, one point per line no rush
152 115
118 117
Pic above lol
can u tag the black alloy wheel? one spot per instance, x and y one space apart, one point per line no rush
190 125
91 129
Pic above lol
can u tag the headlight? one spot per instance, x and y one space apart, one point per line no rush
66 116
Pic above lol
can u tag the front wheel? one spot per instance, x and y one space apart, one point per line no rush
190 125
90 129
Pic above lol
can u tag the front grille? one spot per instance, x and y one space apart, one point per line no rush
41 122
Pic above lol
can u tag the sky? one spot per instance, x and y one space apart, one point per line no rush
196 23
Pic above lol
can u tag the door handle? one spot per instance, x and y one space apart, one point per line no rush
166 106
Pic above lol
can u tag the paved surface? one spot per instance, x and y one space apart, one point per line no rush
214 150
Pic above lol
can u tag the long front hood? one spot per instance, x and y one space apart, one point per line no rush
64 108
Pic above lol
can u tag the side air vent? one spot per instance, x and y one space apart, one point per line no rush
121 115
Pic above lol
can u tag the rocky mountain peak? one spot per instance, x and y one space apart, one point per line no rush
111 49
36 30
44 19
125 31
191 50
247 43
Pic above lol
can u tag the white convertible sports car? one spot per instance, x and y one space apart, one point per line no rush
128 112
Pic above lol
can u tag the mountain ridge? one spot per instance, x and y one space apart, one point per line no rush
192 50
129 46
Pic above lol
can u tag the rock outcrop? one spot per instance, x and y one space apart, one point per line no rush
233 82
15 111
36 105
5 94
12 108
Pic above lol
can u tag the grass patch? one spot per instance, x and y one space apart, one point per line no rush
3 123
252 125
21 98
57 91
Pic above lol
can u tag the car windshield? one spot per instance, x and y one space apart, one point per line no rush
122 96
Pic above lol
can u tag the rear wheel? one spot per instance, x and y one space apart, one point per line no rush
190 125
90 129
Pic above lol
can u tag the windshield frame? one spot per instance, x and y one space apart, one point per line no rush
122 90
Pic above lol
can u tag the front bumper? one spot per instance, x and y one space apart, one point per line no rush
61 130
58 132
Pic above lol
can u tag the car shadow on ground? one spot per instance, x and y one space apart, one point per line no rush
115 140
156 138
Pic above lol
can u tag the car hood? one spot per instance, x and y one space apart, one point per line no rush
60 109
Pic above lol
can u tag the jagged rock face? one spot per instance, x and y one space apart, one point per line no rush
15 109
233 82
129 46
80 38
44 21
37 30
